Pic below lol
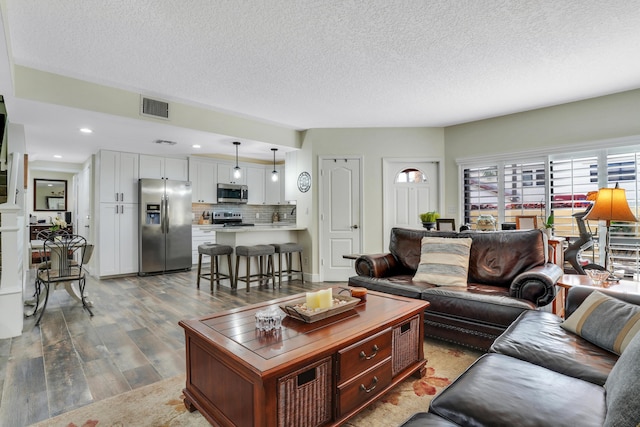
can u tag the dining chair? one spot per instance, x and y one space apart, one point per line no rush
38 257
67 256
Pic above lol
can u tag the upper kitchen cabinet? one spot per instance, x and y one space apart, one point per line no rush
156 167
255 184
118 177
203 174
274 190
225 174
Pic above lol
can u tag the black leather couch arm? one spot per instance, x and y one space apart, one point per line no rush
537 285
377 265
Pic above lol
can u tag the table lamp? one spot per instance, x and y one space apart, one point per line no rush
610 205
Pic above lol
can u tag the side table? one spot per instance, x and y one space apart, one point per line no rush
569 280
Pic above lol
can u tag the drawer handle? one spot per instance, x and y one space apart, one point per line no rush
365 357
370 389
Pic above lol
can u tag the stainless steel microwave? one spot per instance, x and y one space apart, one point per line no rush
232 193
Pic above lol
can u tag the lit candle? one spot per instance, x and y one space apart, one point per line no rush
325 298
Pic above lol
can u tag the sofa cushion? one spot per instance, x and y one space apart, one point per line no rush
536 336
406 245
444 261
401 285
496 258
605 321
623 388
427 419
485 304
499 390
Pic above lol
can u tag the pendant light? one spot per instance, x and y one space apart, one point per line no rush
237 173
274 173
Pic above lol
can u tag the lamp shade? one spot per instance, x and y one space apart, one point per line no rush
611 205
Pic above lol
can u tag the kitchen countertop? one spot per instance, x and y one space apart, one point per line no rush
257 227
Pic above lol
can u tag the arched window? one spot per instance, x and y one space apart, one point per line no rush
410 175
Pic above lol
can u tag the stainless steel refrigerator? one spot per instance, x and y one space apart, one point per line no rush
165 226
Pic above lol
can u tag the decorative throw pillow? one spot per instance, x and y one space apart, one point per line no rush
605 321
623 388
444 261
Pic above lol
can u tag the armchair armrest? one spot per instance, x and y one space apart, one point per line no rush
537 285
376 265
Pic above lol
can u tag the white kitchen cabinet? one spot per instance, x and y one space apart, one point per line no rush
203 177
274 191
256 185
118 239
156 167
201 235
118 177
225 174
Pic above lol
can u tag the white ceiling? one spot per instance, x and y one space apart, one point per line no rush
316 64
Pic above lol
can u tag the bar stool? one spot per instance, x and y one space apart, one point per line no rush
214 250
288 249
258 251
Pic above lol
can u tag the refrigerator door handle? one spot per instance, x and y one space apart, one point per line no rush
163 214
166 215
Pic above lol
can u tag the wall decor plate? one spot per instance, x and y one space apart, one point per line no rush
304 182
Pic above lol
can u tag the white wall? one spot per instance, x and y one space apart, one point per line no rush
597 119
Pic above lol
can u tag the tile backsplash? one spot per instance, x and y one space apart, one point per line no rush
254 214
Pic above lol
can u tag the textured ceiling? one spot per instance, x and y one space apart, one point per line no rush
336 63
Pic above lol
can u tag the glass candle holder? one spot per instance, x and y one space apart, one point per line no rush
269 319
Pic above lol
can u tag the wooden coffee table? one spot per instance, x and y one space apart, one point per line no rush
304 374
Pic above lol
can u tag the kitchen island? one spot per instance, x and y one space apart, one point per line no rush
254 235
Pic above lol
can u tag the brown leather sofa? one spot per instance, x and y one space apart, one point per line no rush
509 272
539 374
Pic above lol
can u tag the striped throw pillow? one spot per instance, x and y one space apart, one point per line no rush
444 261
605 321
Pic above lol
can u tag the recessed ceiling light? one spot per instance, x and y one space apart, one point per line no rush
57 156
196 146
86 130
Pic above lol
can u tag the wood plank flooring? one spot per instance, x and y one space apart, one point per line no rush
133 340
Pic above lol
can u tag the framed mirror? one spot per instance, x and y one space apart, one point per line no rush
49 195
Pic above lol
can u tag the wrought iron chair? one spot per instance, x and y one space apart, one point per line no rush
39 257
67 255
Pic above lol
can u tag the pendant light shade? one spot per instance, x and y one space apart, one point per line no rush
237 172
274 173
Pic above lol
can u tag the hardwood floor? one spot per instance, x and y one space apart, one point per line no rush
133 340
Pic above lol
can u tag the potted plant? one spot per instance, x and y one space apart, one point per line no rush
548 225
429 219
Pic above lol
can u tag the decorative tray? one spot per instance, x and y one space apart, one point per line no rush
297 308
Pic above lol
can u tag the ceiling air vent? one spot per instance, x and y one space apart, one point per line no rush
154 108
164 142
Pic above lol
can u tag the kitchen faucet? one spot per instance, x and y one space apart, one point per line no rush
293 211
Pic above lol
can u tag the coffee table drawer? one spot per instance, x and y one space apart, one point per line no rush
364 387
364 354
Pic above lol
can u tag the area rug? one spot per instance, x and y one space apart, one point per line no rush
160 404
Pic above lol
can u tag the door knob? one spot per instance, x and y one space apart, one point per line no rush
355 227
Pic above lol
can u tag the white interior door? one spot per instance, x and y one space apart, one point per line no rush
340 217
405 200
